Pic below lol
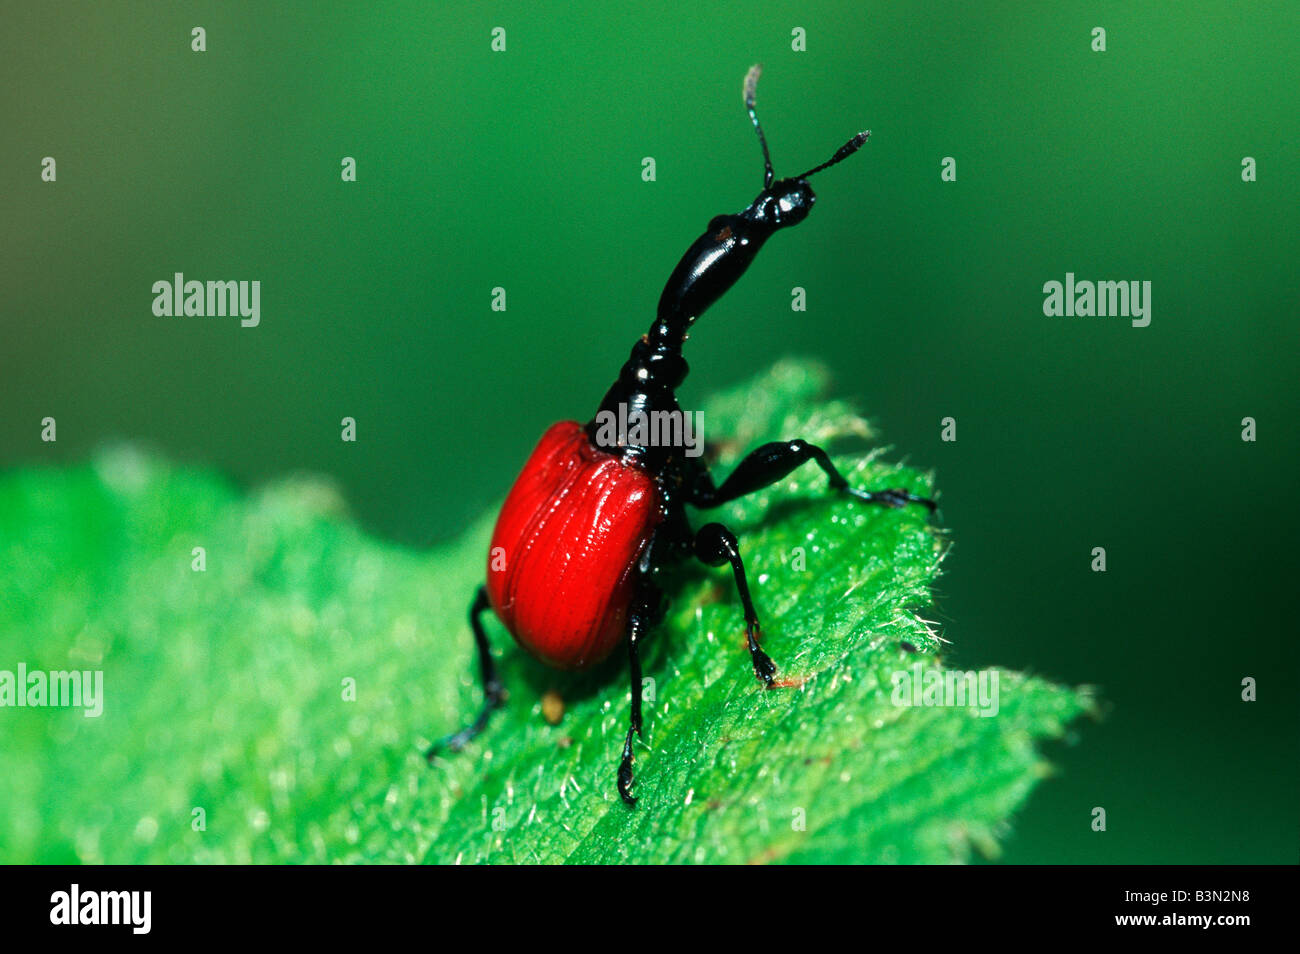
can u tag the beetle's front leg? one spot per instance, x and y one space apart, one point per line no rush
640 617
766 465
494 693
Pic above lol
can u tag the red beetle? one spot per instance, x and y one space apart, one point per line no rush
598 509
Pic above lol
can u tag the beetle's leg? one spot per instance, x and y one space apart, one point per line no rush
640 617
493 692
716 545
766 465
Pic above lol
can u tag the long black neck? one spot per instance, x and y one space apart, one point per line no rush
713 263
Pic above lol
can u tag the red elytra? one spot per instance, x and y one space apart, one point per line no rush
562 564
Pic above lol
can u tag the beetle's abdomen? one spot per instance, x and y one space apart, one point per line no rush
561 570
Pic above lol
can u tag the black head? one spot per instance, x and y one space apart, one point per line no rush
785 202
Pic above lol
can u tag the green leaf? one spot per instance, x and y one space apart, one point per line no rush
225 690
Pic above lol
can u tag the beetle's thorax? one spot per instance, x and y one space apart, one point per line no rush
646 385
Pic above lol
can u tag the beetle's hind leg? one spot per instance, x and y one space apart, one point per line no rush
716 545
494 693
766 465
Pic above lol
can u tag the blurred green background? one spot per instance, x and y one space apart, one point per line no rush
522 169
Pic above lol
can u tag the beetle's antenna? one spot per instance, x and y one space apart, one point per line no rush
751 89
842 153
